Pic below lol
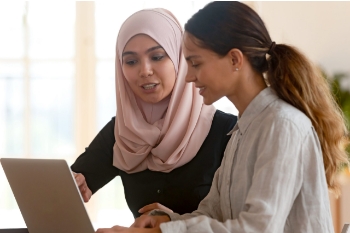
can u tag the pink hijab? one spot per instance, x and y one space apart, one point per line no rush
168 134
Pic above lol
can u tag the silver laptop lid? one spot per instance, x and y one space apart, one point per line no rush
47 195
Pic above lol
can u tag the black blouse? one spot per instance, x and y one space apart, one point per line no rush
180 190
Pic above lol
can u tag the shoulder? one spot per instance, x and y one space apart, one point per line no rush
107 132
113 120
110 125
222 124
222 119
282 115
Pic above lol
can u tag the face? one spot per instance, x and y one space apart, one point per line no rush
209 72
148 69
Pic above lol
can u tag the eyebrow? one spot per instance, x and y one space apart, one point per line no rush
147 51
190 57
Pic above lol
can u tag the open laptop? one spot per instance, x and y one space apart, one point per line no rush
47 195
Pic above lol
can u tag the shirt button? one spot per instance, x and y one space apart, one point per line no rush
159 191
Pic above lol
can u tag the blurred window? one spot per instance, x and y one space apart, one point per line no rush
57 87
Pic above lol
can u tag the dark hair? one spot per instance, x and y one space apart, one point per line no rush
222 26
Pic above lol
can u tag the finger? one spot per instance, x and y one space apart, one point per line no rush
149 207
119 228
87 195
83 188
142 221
85 192
147 212
111 230
105 230
82 184
153 206
79 179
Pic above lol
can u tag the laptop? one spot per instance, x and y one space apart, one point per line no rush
47 195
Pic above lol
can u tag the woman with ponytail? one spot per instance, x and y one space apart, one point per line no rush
287 145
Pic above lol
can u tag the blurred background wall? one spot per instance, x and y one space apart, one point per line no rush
57 79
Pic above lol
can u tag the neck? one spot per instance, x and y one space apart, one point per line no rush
249 87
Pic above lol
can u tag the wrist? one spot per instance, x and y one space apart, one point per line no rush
157 230
158 212
165 218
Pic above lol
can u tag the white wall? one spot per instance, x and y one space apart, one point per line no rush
319 29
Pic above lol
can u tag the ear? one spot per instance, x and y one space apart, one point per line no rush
236 58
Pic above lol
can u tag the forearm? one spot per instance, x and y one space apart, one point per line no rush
96 163
201 224
209 206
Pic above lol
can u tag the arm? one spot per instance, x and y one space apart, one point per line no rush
210 205
96 162
275 183
215 143
185 187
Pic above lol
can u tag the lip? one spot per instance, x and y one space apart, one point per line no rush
151 90
143 84
201 89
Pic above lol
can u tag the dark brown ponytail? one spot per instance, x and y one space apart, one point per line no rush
298 82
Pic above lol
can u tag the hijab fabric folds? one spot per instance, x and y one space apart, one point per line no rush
182 121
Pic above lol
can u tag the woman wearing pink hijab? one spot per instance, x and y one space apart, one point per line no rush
164 143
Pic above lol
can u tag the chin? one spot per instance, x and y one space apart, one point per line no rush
151 100
210 101
207 101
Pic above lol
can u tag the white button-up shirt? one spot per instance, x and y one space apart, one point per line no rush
271 179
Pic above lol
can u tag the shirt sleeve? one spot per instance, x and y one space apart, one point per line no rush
201 224
276 182
96 163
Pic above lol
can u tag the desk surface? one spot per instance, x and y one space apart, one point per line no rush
18 230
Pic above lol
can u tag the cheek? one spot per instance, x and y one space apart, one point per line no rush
206 76
221 78
129 75
168 76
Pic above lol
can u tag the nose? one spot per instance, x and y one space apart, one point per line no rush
190 77
146 69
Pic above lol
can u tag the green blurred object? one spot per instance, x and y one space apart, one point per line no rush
342 96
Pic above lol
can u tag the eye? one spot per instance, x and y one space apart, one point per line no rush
157 57
130 62
193 64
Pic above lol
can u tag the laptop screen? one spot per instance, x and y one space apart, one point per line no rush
47 195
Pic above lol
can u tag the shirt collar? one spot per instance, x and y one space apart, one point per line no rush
234 128
255 107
